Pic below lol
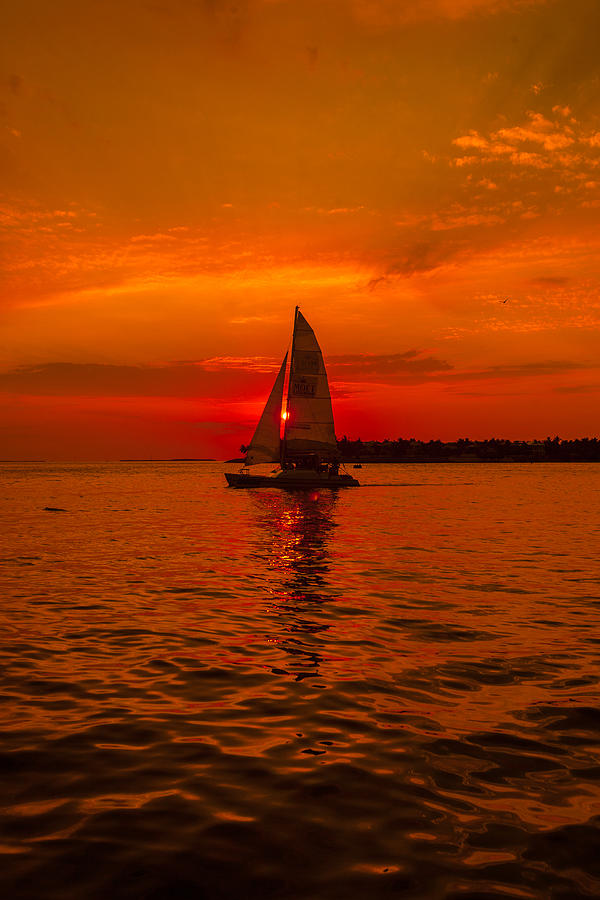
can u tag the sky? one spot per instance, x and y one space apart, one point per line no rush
423 179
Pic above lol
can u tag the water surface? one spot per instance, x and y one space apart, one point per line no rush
391 691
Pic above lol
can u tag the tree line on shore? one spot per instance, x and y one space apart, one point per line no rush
465 450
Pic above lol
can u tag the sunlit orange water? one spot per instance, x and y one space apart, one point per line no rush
388 691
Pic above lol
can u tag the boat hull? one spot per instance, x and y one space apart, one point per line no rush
292 480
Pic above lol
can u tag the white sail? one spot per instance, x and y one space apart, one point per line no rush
265 444
309 423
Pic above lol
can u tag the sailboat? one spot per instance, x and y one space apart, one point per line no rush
306 452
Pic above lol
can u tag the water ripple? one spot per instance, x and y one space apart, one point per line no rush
389 692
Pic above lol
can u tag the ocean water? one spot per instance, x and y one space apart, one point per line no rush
390 691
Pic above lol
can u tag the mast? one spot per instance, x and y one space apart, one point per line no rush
287 405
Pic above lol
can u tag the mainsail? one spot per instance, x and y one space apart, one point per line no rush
265 444
309 420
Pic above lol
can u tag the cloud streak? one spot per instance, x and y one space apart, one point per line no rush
386 13
561 147
224 378
194 379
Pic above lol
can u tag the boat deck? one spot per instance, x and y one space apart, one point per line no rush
293 479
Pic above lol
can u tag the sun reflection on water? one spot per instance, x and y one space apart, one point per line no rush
295 530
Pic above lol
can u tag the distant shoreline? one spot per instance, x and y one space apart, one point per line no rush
90 461
453 460
360 461
465 450
402 450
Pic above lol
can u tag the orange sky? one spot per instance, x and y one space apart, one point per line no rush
177 175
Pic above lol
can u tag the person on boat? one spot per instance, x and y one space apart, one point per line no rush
334 469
